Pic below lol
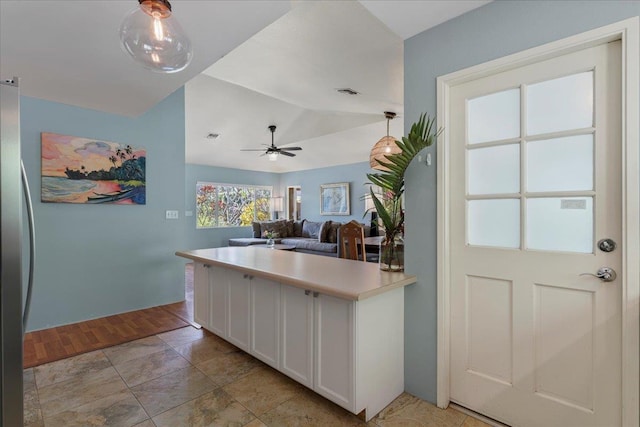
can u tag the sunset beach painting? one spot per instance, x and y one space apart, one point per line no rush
83 170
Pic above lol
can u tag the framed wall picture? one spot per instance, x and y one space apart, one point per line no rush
84 170
334 199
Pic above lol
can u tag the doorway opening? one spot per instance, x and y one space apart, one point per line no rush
294 202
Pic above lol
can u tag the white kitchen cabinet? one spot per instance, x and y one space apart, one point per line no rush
346 347
201 288
238 309
318 343
265 320
218 287
334 349
296 337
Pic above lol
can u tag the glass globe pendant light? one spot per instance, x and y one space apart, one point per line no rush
154 38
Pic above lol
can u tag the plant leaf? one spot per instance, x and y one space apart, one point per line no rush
421 135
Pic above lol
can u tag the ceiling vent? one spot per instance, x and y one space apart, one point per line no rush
348 91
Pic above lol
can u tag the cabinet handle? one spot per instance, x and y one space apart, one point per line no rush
245 276
207 266
250 277
307 292
315 294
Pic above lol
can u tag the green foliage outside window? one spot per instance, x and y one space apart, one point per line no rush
220 205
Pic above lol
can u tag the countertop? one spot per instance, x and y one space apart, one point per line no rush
342 278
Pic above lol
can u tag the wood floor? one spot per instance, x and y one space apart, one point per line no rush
57 343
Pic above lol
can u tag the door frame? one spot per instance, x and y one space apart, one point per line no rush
288 198
628 31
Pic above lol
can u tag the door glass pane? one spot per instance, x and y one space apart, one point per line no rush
494 117
494 170
494 222
560 104
562 164
560 224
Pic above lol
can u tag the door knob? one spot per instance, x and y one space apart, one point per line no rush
607 245
606 274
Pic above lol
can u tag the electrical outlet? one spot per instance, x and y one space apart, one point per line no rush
172 215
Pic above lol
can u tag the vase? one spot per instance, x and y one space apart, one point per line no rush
392 254
271 243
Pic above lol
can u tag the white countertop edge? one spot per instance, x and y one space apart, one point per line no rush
397 279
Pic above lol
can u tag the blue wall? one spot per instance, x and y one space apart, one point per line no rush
98 260
310 180
492 31
216 237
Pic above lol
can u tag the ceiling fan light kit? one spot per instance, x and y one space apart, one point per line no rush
154 38
384 147
272 152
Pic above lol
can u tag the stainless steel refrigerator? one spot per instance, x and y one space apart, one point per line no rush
14 202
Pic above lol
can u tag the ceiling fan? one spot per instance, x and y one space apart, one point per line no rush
272 151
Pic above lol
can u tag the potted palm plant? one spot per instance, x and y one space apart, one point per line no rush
388 203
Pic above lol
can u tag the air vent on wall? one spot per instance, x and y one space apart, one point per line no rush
348 91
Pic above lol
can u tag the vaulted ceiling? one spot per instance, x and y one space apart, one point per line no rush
256 63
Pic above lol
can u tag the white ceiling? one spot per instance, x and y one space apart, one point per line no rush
255 63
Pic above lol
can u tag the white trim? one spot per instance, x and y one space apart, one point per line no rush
628 31
443 255
630 35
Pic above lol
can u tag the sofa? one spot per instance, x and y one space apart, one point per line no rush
312 237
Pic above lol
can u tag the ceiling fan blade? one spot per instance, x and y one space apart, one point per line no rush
291 148
252 149
284 153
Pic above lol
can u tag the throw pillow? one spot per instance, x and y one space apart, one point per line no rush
332 232
322 235
278 227
290 228
256 229
311 229
297 228
283 228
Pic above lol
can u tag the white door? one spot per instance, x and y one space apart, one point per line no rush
239 312
334 349
535 185
201 294
265 320
296 337
218 288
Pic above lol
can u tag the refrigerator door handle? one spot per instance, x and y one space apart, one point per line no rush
32 245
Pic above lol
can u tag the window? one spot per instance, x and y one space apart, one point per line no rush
228 205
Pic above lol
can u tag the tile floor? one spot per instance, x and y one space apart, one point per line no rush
189 377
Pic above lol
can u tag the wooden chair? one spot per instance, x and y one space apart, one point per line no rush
351 241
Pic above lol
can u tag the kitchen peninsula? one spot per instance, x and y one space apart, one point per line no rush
334 325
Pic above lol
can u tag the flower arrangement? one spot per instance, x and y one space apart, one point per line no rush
269 234
388 204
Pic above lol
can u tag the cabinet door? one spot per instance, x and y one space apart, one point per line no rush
265 313
218 284
238 314
201 294
296 337
334 345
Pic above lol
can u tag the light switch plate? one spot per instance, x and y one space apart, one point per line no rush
172 215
